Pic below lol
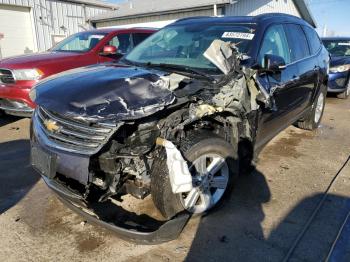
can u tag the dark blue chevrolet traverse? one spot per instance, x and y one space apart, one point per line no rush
178 118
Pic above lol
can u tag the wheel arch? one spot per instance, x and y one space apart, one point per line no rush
236 131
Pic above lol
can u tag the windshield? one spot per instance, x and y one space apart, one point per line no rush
184 45
81 42
338 47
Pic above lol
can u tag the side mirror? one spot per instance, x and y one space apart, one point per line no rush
273 63
109 50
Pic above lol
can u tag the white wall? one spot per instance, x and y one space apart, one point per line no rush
238 8
17 35
156 18
158 24
55 17
257 7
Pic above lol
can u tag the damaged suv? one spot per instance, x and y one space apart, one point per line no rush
179 117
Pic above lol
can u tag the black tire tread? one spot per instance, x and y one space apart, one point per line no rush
308 122
306 125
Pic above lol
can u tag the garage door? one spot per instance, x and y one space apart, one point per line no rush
15 31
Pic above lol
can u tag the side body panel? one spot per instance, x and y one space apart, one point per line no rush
292 92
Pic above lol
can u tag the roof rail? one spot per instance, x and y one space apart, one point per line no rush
268 15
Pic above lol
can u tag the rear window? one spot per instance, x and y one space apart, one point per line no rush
314 40
299 48
139 37
80 42
122 42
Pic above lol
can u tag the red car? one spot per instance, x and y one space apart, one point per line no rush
19 74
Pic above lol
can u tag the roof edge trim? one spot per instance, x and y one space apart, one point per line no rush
305 12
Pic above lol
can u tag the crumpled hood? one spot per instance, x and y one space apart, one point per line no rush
108 92
339 60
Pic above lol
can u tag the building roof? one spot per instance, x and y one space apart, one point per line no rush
142 7
146 8
305 12
94 3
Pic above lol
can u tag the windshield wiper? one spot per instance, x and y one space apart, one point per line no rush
125 61
181 68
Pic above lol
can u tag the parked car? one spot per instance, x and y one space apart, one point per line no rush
339 72
177 117
19 74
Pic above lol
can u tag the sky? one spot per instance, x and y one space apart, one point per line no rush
334 14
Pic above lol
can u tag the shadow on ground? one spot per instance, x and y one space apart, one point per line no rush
15 179
7 119
235 232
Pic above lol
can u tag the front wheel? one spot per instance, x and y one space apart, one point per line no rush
213 165
313 119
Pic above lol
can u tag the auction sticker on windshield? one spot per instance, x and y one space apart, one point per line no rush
239 35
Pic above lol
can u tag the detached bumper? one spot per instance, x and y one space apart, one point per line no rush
337 82
131 229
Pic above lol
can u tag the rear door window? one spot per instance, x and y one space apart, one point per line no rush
299 48
122 42
274 43
313 38
139 37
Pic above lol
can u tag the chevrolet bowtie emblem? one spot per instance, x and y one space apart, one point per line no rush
51 125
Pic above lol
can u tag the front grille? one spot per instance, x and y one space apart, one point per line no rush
71 135
6 76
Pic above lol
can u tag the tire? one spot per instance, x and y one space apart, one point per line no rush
196 145
346 93
313 119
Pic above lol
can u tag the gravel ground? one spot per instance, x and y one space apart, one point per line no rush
260 222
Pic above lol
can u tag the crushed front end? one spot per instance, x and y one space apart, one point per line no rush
98 142
80 163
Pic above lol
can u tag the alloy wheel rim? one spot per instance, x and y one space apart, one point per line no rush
348 89
210 175
319 107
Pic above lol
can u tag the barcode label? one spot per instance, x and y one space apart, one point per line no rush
238 35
